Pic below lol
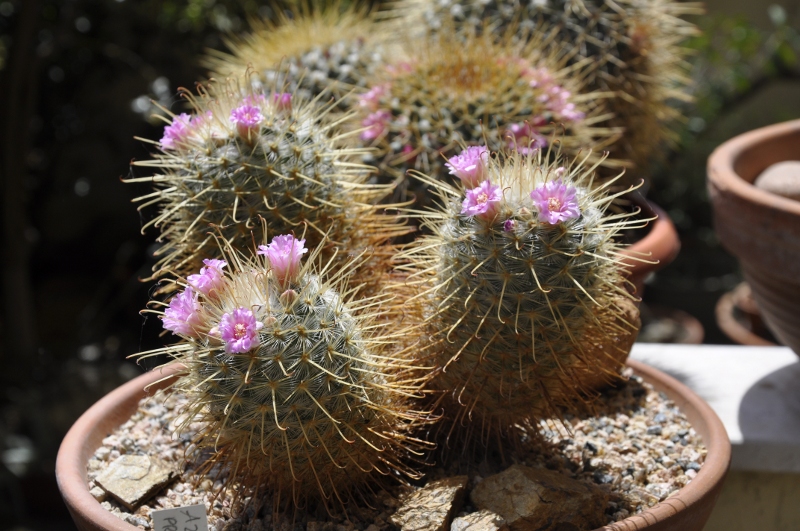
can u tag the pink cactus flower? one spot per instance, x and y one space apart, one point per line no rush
376 124
284 254
509 225
210 277
182 315
239 330
177 132
247 119
282 101
469 165
482 201
556 202
372 98
524 138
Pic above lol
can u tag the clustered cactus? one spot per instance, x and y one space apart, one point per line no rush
312 50
510 308
445 92
246 155
524 288
635 48
296 384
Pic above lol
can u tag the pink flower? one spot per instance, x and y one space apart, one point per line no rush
282 101
210 277
469 165
284 253
509 225
524 138
177 132
376 124
556 202
247 119
182 317
372 98
239 330
482 201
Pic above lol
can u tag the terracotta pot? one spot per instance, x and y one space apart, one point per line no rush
737 315
686 511
762 229
658 247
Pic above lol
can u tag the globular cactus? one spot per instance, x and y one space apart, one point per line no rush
635 47
245 156
301 389
445 93
311 50
523 280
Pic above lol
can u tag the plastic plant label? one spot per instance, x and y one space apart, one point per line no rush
189 518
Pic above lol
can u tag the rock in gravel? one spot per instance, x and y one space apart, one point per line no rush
782 178
131 479
537 499
479 521
431 508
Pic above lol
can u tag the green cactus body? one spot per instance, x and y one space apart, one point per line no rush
314 51
288 168
447 93
521 310
634 46
317 404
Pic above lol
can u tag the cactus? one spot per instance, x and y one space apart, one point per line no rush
524 286
635 47
301 389
312 50
245 155
446 92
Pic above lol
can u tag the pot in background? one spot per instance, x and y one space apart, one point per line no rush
761 228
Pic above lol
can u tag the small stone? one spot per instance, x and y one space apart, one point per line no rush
432 507
102 453
782 178
479 521
138 521
98 493
654 430
693 466
542 500
133 478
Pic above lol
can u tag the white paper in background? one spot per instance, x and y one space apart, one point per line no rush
189 518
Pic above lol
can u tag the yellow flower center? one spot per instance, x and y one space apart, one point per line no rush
239 330
482 198
553 204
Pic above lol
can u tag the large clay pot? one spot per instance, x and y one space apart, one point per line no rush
762 229
686 511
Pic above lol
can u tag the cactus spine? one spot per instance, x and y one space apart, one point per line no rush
245 155
301 389
525 291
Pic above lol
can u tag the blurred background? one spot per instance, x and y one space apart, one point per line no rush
77 81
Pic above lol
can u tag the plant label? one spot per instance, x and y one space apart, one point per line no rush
189 518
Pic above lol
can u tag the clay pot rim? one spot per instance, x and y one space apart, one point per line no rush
76 449
661 244
722 162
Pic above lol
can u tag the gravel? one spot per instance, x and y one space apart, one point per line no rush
636 444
